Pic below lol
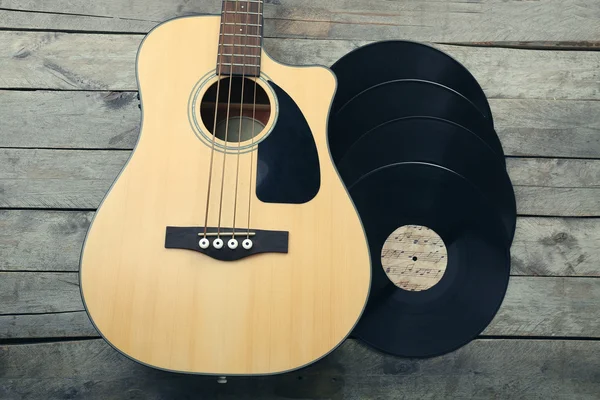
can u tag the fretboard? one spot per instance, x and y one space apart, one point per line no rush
241 38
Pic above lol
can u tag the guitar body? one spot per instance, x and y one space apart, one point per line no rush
182 310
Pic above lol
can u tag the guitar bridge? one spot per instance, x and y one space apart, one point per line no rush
262 241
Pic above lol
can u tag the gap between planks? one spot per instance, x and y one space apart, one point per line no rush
25 341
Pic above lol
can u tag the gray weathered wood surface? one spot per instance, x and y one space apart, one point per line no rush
423 20
69 119
484 369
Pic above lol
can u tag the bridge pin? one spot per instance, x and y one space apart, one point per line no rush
233 244
204 243
218 243
247 244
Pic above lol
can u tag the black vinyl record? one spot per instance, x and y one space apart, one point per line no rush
386 61
453 312
435 141
406 98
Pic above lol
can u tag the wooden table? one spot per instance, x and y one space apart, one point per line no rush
69 118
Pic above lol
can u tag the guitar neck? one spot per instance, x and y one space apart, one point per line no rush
240 38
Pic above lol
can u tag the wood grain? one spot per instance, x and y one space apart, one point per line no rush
548 128
34 178
68 324
41 60
25 293
556 246
77 178
69 119
42 240
423 20
111 120
484 369
550 306
52 60
26 20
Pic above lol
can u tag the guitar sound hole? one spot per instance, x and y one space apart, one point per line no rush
241 107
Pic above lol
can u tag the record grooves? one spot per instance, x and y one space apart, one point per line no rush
387 61
405 98
438 142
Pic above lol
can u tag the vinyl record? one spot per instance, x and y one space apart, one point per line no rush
439 142
386 61
425 323
406 98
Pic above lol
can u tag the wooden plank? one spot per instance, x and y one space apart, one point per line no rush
107 62
64 179
25 292
39 240
484 369
556 187
576 202
548 128
111 120
424 20
540 45
54 325
69 119
569 187
537 306
61 178
552 306
71 22
44 60
554 173
42 241
556 246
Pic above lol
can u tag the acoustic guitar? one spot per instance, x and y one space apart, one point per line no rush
228 244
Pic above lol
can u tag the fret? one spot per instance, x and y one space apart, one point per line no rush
241 30
240 24
240 37
243 3
240 55
241 7
240 65
241 16
240 45
243 12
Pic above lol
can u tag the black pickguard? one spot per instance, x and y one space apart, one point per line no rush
288 161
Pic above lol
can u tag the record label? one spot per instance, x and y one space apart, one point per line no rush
414 258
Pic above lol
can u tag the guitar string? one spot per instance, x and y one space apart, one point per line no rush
237 171
258 23
227 122
212 150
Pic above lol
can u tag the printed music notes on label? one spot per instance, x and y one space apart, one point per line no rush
414 258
